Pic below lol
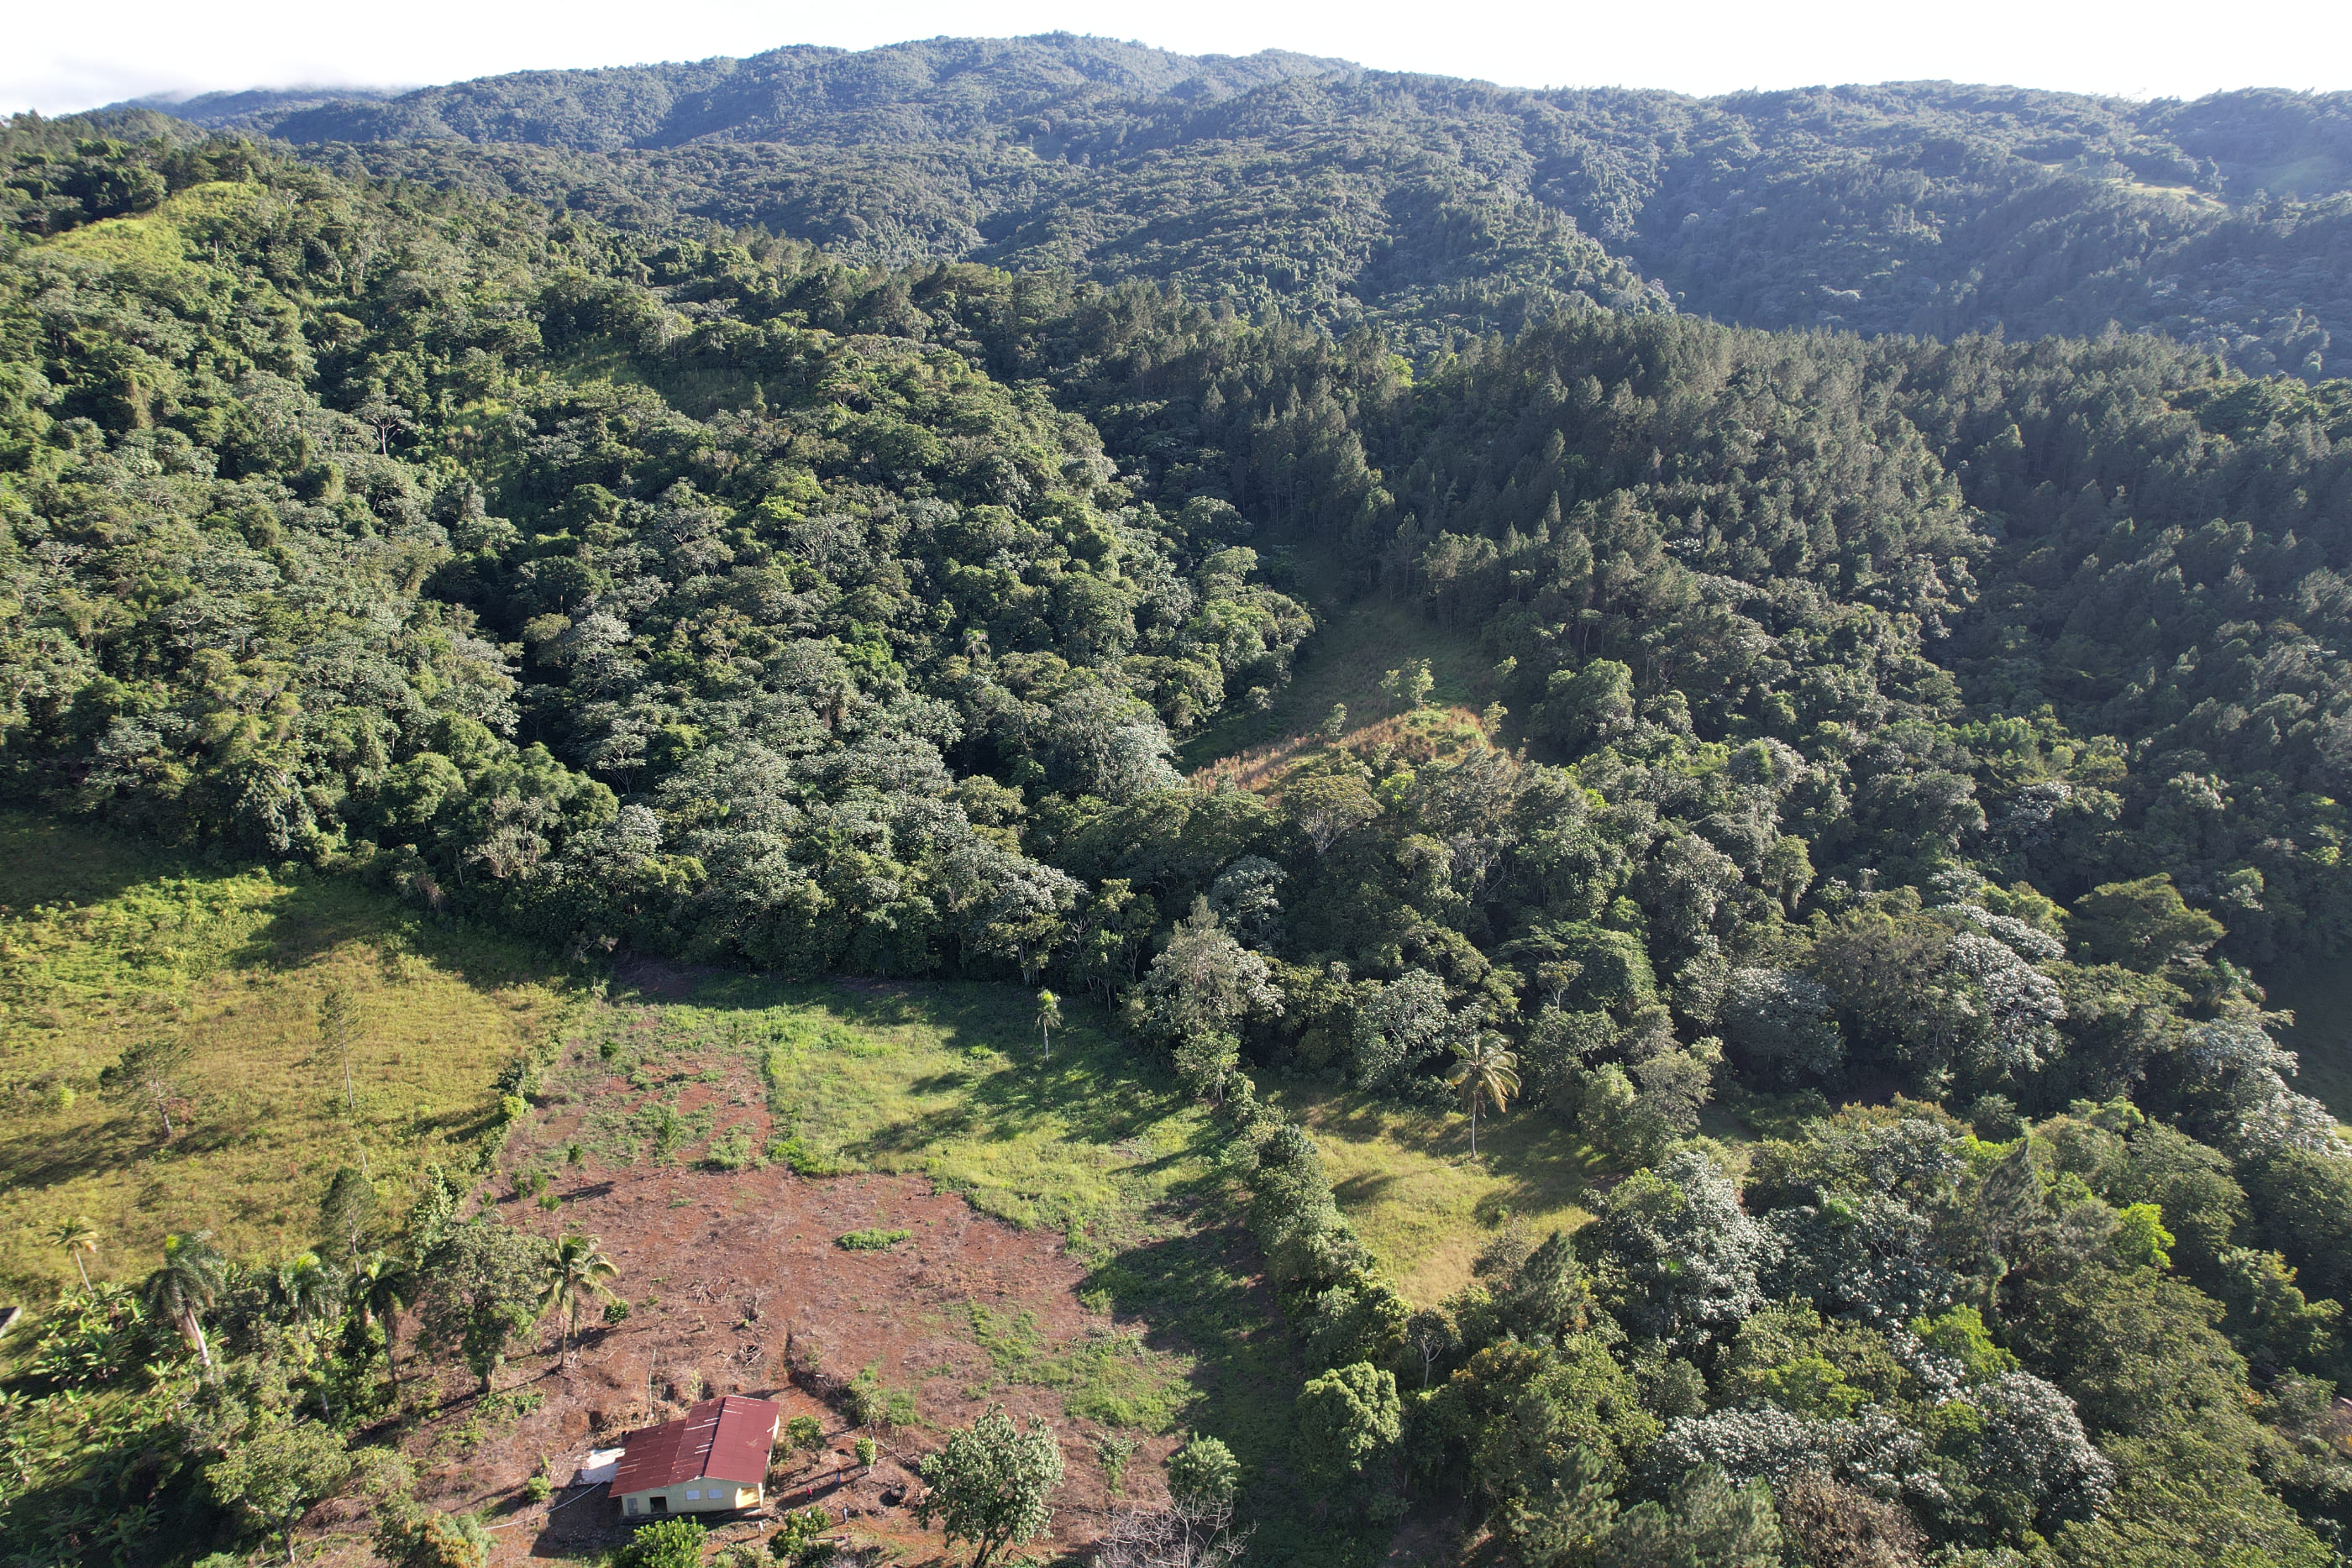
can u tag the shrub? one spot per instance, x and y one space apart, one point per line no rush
797 1157
1202 1474
671 1543
796 1531
731 1151
870 1241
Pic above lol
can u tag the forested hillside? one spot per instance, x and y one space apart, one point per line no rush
1443 206
1910 754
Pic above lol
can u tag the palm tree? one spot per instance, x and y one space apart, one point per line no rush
576 1267
1049 1019
309 1288
383 1285
1484 1073
191 1279
77 1238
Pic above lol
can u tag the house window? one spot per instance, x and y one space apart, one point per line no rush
659 1504
632 1505
694 1497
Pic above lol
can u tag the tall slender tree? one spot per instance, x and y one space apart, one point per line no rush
1049 1019
339 1029
1484 1074
151 1074
192 1278
77 1238
577 1267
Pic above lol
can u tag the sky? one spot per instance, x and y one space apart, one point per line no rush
61 57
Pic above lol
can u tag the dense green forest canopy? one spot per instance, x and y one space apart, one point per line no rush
1946 731
1439 206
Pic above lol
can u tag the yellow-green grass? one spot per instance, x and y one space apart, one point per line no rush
948 1081
2320 997
1353 646
104 943
156 242
1407 1181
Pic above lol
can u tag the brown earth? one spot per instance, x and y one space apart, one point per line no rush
736 1285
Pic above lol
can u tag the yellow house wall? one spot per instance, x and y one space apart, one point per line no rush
640 1504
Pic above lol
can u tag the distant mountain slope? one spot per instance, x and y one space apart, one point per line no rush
1441 207
939 89
256 109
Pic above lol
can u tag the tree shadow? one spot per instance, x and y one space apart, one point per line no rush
43 860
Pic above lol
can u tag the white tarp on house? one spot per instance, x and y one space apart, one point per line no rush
597 1467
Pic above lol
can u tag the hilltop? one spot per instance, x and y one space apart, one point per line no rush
1438 207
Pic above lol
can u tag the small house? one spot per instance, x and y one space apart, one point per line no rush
711 1459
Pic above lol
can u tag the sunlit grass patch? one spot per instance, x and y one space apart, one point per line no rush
1353 646
104 943
1422 1202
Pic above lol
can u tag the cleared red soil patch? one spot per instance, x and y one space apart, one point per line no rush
1415 735
754 1297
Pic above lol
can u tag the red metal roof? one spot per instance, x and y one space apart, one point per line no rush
725 1439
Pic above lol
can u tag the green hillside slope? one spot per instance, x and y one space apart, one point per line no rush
1446 207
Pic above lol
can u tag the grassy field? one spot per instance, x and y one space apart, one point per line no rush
1353 645
104 943
2320 997
1408 1183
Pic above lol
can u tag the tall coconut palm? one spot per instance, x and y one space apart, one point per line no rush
1484 1073
577 1267
193 1276
77 1238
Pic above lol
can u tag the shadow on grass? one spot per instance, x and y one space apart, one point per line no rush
48 862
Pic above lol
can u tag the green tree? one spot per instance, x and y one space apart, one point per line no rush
2143 925
77 1238
668 1543
1202 1474
278 1474
1351 1421
1201 986
1586 706
310 1290
484 1283
990 1484
2140 1237
1327 806
193 1276
1482 1074
151 1073
383 1287
408 1535
577 1267
1705 1522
